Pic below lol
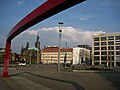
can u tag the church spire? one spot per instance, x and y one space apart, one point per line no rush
37 43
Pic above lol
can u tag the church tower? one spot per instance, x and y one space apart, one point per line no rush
37 43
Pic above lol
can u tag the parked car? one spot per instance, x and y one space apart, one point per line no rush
22 64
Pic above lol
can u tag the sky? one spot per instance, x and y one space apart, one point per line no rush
88 18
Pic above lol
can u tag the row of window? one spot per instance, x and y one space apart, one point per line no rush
105 38
105 43
104 58
105 48
105 53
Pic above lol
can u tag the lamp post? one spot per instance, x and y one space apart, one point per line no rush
60 34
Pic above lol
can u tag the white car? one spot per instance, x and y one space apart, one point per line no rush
22 64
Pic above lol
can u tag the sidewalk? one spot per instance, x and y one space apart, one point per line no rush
20 83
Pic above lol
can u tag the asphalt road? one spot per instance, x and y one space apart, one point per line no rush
45 77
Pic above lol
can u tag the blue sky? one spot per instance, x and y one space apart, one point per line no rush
80 22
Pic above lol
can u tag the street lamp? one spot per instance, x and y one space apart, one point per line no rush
60 34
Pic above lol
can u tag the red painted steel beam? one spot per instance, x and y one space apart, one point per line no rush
44 11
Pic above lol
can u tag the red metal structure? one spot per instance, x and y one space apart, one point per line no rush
44 11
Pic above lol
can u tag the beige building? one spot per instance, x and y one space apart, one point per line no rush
50 55
106 49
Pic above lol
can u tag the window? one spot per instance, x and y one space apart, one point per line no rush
103 58
103 48
111 58
111 43
103 53
96 53
117 42
117 52
110 37
111 48
117 47
117 37
96 58
96 48
117 57
111 52
103 38
103 43
96 43
96 39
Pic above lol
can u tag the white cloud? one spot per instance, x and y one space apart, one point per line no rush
29 32
84 18
74 35
49 36
19 3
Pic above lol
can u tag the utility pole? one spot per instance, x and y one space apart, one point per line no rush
37 51
37 59
30 56
110 57
60 34
65 59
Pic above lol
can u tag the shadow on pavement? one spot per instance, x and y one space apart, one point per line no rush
113 78
75 84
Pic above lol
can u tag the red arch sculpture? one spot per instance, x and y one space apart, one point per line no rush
44 11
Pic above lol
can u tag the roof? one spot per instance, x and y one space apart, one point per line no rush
55 49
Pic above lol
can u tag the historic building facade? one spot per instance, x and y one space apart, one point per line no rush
31 54
14 57
50 55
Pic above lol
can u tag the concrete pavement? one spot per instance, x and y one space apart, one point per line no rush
46 78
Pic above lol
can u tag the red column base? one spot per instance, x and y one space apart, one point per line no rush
5 74
6 59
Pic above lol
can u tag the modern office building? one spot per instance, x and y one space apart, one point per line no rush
106 49
50 55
